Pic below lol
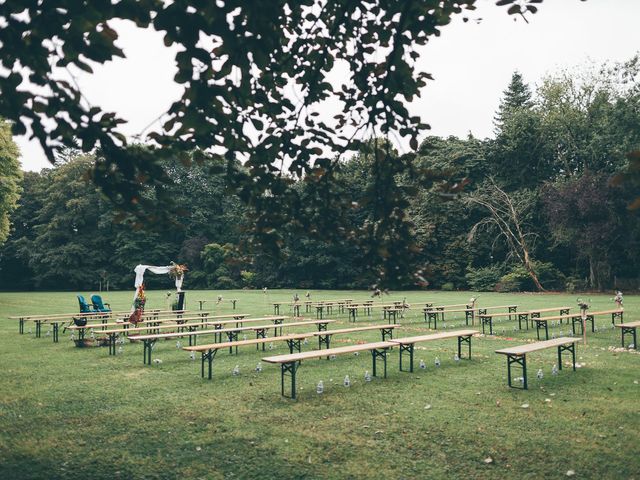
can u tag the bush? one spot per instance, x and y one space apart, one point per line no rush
511 282
448 287
519 280
225 283
484 279
248 278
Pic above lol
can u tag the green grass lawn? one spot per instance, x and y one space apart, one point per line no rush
67 412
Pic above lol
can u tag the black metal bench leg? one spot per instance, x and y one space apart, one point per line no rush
522 361
288 368
406 348
21 326
55 332
462 340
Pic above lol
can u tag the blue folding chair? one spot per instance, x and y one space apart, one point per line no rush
98 306
84 306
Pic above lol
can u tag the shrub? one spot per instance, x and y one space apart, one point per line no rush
511 282
484 279
248 278
448 287
519 280
225 283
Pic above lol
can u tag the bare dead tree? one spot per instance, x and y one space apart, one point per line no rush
505 213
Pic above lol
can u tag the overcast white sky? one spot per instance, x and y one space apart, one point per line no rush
471 63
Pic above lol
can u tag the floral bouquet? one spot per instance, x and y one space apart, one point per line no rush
138 306
177 270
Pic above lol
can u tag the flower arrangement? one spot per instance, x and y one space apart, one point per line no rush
177 270
583 304
140 299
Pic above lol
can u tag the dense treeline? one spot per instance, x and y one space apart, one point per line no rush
538 209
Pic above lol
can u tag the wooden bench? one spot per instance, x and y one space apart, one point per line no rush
543 322
487 318
407 344
290 363
576 319
126 326
232 334
629 328
209 351
518 355
536 313
367 307
232 300
436 312
324 337
616 313
179 327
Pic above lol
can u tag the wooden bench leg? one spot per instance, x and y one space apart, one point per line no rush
522 361
112 344
233 336
525 317
386 332
461 340
288 369
570 348
148 346
406 348
324 339
379 353
294 344
209 355
632 331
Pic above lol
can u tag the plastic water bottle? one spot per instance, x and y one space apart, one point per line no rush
120 350
437 361
178 344
456 357
422 364
367 376
270 345
305 341
236 370
48 333
332 357
554 370
540 374
347 381
259 367
356 353
320 388
244 337
73 337
631 346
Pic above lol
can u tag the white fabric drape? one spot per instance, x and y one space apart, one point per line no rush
140 269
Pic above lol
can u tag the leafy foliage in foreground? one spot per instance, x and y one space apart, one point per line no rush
253 75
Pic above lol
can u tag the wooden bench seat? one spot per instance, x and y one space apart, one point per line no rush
232 300
629 329
290 363
615 313
324 337
367 307
232 334
209 351
407 344
487 318
518 355
536 313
